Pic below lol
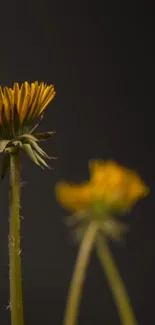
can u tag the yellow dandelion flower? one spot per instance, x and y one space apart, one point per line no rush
21 105
117 187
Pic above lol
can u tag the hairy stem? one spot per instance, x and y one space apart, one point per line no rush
117 286
16 304
79 273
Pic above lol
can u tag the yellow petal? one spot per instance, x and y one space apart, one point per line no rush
138 190
17 92
47 91
74 197
24 101
6 109
42 88
11 95
33 89
34 103
49 96
35 110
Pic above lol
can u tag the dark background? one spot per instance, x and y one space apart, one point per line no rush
100 57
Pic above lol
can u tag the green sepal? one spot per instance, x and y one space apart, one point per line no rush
35 126
44 135
29 151
26 137
10 150
114 229
76 218
5 165
39 150
17 143
41 161
3 144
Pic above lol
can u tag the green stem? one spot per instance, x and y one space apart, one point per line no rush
16 304
117 286
79 273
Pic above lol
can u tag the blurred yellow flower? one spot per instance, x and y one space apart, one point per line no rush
19 106
110 184
74 197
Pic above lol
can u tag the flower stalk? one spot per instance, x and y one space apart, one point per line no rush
117 286
79 274
21 111
16 303
111 190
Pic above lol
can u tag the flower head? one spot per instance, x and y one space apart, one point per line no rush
19 108
117 186
21 105
111 185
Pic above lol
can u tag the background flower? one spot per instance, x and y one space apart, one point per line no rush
111 185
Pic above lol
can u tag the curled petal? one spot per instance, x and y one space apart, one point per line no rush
73 197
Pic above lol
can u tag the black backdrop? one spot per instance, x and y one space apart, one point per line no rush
100 57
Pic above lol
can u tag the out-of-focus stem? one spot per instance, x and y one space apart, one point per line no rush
115 282
79 273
